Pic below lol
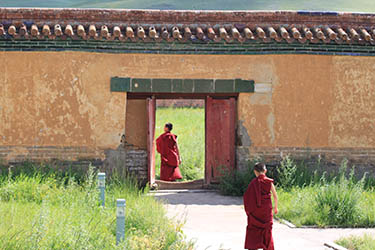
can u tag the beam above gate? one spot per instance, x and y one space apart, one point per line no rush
157 85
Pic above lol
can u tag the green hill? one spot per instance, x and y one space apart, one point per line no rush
314 5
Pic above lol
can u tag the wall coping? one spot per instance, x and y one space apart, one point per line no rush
173 26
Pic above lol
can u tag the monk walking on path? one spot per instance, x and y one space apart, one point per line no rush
166 145
258 207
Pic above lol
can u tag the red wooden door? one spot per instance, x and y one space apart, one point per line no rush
220 137
151 107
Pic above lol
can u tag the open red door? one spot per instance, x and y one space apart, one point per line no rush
220 137
151 107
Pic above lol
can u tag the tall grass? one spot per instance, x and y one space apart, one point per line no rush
42 212
365 242
338 201
311 198
188 125
341 201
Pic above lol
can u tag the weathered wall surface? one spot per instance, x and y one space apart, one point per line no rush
58 104
319 106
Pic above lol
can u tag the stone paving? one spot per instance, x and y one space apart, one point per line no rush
218 222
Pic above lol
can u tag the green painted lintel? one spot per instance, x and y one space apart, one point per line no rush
120 84
157 85
246 86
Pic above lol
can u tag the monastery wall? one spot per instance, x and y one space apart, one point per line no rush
58 105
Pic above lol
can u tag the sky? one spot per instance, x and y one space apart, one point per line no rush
313 5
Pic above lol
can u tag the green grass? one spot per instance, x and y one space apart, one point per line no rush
336 200
366 242
300 207
318 5
42 212
188 125
314 199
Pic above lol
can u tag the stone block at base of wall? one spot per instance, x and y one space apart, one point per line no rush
122 161
329 159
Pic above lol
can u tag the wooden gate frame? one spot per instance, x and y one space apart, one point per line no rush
152 89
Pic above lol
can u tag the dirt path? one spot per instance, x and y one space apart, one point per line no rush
218 222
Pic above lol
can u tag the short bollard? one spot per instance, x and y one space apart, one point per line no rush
101 185
120 219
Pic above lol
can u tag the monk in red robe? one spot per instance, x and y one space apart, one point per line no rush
258 207
166 145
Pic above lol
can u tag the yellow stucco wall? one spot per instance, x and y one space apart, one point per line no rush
316 101
60 99
63 98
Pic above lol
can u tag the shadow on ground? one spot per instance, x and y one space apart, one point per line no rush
196 198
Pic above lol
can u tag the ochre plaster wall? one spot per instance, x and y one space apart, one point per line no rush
59 99
63 98
316 102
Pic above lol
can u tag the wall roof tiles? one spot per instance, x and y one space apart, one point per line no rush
186 26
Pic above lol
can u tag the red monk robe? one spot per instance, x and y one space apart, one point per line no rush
258 207
166 145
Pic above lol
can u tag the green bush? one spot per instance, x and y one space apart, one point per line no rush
338 201
287 173
44 213
235 182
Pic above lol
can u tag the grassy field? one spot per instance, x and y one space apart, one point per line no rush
366 242
188 125
41 211
317 5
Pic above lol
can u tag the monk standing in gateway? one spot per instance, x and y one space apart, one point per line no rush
167 146
258 207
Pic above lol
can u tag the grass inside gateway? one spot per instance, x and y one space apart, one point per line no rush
41 211
188 125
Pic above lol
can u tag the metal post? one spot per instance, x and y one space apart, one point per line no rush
120 218
101 185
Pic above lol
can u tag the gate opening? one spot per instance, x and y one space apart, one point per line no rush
188 119
206 135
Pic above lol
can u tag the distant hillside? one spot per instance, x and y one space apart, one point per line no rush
315 5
